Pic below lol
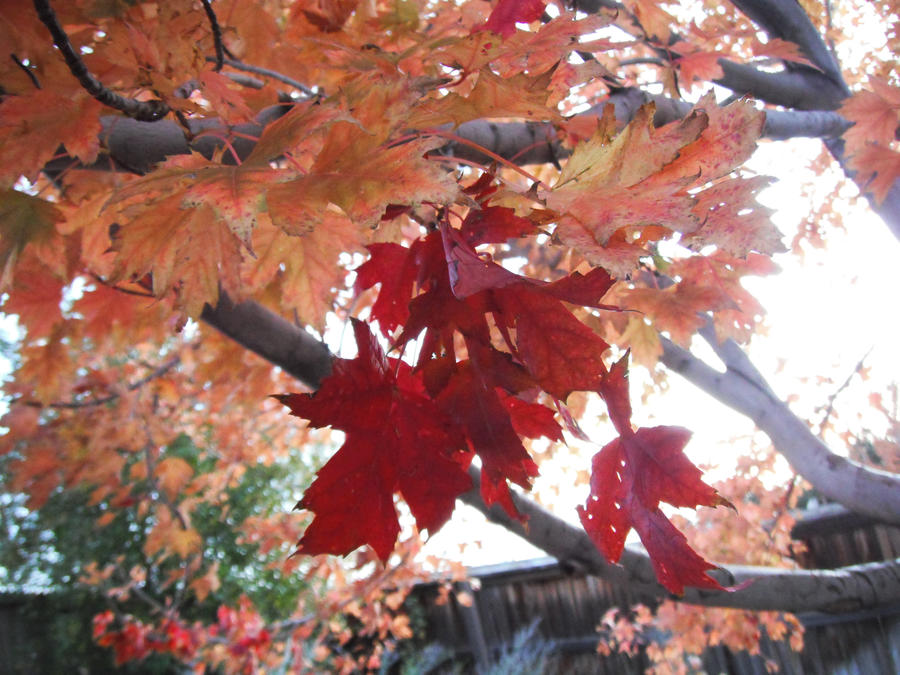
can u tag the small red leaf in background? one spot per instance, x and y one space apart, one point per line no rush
495 225
507 13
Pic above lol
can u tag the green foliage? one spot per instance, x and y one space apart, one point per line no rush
44 552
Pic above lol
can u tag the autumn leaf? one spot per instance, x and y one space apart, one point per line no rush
173 474
733 220
875 115
630 477
304 265
24 220
188 251
507 13
233 193
609 184
726 141
677 309
32 127
522 96
878 168
397 441
696 64
170 536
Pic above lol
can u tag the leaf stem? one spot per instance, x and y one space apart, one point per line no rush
493 155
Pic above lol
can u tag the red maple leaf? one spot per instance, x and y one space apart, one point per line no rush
630 477
507 13
397 440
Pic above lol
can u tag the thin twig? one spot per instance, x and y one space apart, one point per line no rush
265 72
217 34
73 405
31 75
642 61
829 407
143 111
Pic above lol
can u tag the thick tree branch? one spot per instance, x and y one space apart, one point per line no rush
788 21
137 146
741 387
800 89
780 124
301 355
768 588
278 341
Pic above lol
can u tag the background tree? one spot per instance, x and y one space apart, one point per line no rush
228 163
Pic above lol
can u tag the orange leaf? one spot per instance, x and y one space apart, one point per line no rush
23 220
33 125
306 264
173 474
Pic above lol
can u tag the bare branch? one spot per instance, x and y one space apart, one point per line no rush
741 387
780 124
93 402
136 146
217 34
27 70
272 337
146 111
266 72
805 89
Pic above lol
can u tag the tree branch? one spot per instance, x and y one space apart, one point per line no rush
768 588
788 21
301 355
278 341
741 387
137 146
147 111
801 89
217 34
780 124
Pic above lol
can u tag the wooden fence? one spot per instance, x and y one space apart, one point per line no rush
568 607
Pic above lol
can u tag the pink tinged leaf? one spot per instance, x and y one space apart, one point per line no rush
507 13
